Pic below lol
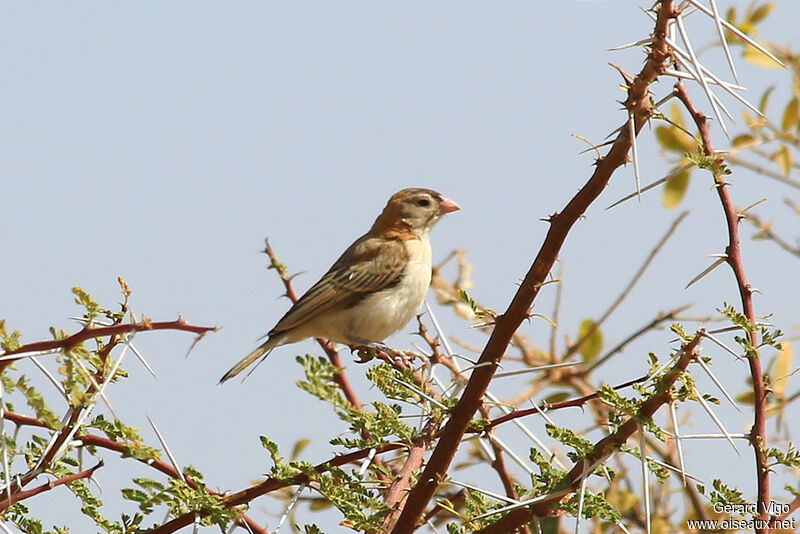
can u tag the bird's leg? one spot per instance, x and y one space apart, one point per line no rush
368 350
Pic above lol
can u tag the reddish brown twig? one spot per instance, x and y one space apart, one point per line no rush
758 434
640 108
544 407
271 484
603 448
47 486
102 331
398 490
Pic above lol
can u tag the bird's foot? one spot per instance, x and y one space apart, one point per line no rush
368 351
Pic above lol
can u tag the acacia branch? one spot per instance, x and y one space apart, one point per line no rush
271 484
603 448
91 332
639 106
545 406
758 433
47 486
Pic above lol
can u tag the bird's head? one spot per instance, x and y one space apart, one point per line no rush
414 210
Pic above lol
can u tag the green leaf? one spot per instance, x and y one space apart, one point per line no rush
593 344
791 115
782 370
742 140
760 13
299 447
762 106
672 139
758 58
783 157
675 189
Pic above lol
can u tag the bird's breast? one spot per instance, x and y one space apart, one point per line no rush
383 313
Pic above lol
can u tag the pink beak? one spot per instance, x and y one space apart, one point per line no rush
446 206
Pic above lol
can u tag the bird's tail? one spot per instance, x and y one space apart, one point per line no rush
261 352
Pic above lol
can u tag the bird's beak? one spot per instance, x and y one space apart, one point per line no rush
446 206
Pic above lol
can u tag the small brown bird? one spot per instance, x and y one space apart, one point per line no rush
375 288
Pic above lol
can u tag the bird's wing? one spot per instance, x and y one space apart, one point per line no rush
369 265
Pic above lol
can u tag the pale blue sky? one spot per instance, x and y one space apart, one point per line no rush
162 142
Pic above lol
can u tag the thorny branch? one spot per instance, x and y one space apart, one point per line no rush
640 108
605 447
758 433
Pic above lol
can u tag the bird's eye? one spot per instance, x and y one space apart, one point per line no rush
423 202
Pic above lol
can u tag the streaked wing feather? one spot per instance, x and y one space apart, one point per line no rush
369 265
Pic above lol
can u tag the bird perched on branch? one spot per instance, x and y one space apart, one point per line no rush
375 288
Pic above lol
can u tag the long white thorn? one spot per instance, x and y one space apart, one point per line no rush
632 45
738 32
367 462
442 338
716 340
492 494
710 268
716 381
716 420
534 369
645 476
96 386
171 457
686 76
672 468
673 412
650 186
635 153
696 63
523 464
581 497
685 60
523 504
737 435
6 463
291 506
88 410
722 40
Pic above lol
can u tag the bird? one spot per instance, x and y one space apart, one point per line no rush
375 287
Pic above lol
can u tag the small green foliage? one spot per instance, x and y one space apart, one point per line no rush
280 469
9 342
37 402
549 478
661 472
614 398
475 504
725 495
479 311
790 457
17 514
737 318
362 506
592 337
278 266
135 446
594 505
566 436
320 383
83 298
94 310
678 330
180 498
312 529
393 383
